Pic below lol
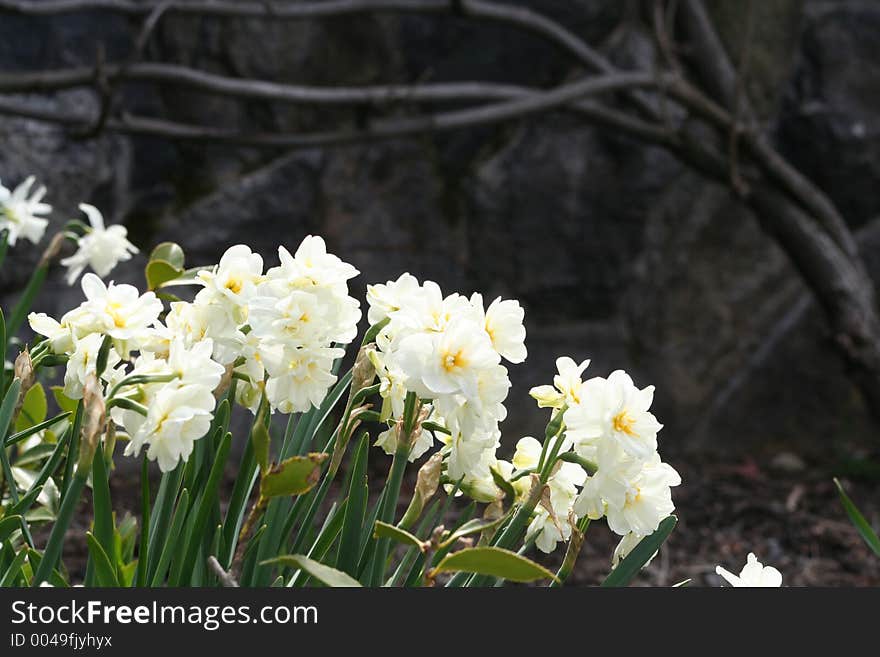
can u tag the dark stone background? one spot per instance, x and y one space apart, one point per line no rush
617 252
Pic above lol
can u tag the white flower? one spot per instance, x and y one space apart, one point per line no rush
447 362
753 574
193 365
387 440
298 376
119 311
102 248
177 416
19 212
635 495
194 322
385 299
613 409
82 362
312 266
233 281
566 388
503 321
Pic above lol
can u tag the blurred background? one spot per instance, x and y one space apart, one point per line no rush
618 251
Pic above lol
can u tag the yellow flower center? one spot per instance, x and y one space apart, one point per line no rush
623 422
234 285
118 319
454 361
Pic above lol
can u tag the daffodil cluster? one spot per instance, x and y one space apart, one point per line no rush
162 371
607 423
448 350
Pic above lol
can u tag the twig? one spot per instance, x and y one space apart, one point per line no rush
736 181
513 108
226 579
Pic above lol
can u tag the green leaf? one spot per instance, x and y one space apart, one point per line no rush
64 402
33 409
30 431
261 438
475 526
170 252
350 542
641 554
293 476
385 530
159 272
6 410
857 519
324 574
493 562
14 569
8 525
174 535
104 570
103 525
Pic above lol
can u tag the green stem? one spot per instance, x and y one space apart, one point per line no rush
56 539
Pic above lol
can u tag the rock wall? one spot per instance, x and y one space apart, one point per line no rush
618 253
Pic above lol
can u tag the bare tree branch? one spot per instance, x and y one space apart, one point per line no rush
519 106
57 80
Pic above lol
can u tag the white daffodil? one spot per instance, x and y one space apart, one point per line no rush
177 416
312 266
566 388
298 376
20 210
613 409
646 501
754 574
503 321
386 299
233 281
119 311
448 362
82 362
387 440
193 365
198 321
101 248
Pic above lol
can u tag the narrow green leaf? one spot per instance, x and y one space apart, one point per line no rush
104 570
475 526
293 476
261 438
14 569
640 555
101 504
857 519
170 545
494 562
8 525
324 574
6 410
350 541
27 433
385 530
52 553
23 307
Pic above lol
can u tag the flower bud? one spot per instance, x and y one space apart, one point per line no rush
364 372
94 418
24 372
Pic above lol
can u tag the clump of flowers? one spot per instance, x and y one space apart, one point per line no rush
161 374
447 350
